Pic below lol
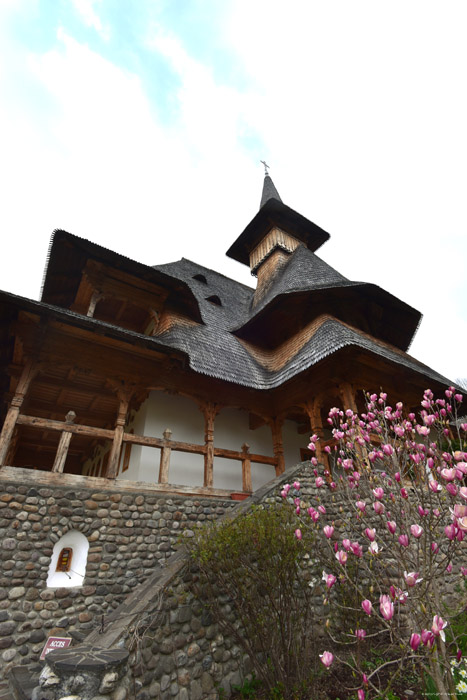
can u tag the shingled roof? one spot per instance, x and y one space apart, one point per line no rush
224 336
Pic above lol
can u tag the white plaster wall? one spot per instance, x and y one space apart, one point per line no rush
293 442
75 577
231 431
186 421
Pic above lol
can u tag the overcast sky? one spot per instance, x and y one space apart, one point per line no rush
140 126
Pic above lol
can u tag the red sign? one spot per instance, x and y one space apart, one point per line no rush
54 643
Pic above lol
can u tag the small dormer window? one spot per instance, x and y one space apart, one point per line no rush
64 559
214 300
200 278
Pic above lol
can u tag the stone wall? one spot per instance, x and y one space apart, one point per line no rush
130 532
177 651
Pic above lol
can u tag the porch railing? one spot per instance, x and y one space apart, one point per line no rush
166 445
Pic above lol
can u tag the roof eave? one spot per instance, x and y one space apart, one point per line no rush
275 213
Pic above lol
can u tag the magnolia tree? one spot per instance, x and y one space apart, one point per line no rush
392 517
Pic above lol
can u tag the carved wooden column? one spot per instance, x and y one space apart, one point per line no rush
165 458
124 396
63 445
210 410
246 469
313 409
278 446
28 373
95 299
347 393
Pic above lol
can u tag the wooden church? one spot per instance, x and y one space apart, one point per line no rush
179 376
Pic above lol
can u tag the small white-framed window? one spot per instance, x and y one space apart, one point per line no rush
68 564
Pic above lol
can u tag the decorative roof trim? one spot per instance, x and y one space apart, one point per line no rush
276 238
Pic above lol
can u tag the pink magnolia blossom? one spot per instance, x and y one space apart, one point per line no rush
379 507
451 488
326 658
341 557
298 534
448 474
346 544
388 449
314 515
450 531
416 530
322 510
391 526
328 531
367 606
330 579
386 607
464 570
404 493
415 640
296 485
378 493
459 513
404 540
438 627
357 549
428 638
361 505
398 594
370 533
373 548
319 481
411 578
434 486
397 476
360 634
423 511
434 547
360 694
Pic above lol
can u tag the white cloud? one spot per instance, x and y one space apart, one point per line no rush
86 9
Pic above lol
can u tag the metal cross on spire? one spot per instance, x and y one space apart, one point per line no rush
266 166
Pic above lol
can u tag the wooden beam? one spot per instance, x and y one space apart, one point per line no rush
112 467
63 445
210 411
246 469
165 458
313 409
29 371
233 454
62 426
278 445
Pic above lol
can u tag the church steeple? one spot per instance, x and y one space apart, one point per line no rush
269 191
276 228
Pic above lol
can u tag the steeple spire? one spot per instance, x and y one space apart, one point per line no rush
269 189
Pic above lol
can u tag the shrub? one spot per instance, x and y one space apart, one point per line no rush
254 579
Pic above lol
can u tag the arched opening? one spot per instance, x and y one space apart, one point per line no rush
68 564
